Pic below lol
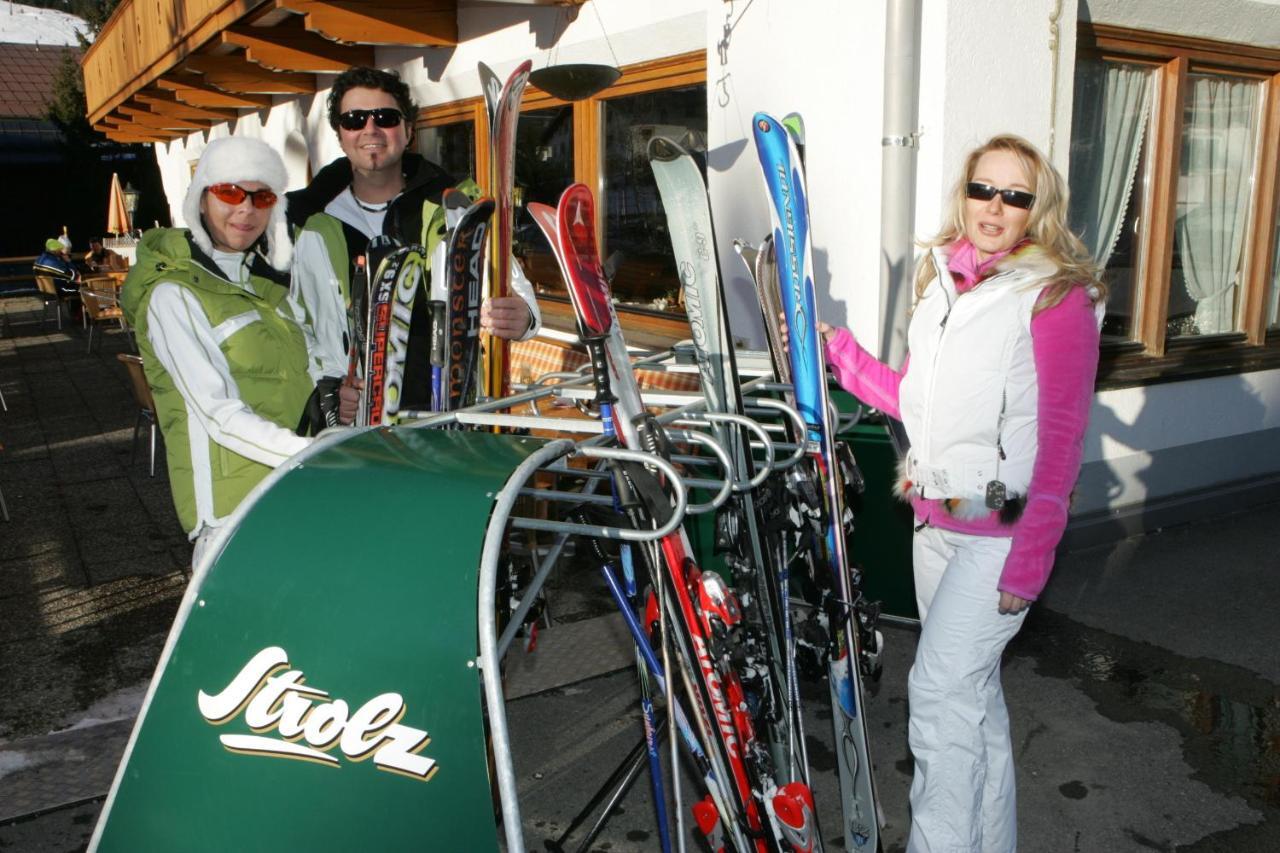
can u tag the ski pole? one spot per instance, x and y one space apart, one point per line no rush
622 777
605 400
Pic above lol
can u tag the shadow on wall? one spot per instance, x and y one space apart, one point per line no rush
297 162
1179 483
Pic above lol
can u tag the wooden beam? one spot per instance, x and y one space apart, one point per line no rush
291 47
146 118
145 134
145 39
237 74
165 103
1157 250
409 22
1259 269
191 89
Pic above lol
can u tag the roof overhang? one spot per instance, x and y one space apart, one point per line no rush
157 71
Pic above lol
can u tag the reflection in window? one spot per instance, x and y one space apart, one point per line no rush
1108 165
450 146
544 170
1219 151
637 248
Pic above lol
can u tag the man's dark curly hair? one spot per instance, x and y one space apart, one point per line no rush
360 77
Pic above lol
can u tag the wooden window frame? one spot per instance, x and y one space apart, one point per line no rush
645 328
1151 358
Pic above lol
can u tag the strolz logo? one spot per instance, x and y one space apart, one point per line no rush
292 719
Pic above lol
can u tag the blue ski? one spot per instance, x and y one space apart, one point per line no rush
784 180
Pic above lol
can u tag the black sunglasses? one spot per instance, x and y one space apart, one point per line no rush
986 192
384 117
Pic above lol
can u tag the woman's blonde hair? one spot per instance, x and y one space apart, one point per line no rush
1046 226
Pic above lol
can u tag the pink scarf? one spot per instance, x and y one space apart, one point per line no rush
965 267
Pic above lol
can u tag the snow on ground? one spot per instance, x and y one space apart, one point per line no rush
29 25
12 762
123 704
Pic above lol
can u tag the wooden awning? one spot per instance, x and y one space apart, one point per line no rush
157 71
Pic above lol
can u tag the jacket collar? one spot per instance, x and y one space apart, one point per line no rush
333 180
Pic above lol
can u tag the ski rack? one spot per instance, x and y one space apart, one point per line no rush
684 424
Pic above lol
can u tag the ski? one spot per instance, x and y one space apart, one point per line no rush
763 271
751 545
464 271
702 608
503 108
395 285
784 179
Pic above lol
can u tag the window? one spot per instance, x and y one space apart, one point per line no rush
544 168
451 146
1173 182
601 142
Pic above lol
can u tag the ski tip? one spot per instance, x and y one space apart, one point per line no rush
665 150
455 199
794 123
765 123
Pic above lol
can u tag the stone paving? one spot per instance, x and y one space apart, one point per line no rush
92 561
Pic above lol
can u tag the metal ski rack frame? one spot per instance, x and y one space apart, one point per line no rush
553 457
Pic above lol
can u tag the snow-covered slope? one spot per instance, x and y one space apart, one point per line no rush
29 25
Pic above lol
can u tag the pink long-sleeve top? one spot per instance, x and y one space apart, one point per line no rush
1064 342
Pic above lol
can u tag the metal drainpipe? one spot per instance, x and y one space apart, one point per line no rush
898 180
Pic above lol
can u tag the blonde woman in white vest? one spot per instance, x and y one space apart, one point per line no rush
994 395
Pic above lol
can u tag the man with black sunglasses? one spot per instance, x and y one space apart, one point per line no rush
379 188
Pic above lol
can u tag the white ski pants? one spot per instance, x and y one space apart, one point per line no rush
962 794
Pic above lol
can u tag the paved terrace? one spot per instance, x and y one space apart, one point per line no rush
1143 688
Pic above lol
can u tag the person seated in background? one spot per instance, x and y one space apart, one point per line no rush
222 344
55 262
101 259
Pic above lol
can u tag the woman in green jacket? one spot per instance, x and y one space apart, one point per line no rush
223 346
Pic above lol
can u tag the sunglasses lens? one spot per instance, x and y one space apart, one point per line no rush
227 193
386 117
980 192
1017 198
263 199
353 119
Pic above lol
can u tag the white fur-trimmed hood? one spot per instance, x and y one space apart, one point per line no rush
235 159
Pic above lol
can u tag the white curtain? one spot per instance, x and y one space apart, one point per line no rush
1111 121
1219 145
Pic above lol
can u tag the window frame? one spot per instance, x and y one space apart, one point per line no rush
670 72
1151 358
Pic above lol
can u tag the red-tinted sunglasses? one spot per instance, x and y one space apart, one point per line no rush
986 192
233 194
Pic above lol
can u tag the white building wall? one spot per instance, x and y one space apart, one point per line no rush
1255 22
986 67
827 63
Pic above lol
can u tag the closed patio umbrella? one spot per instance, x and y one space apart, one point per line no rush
117 213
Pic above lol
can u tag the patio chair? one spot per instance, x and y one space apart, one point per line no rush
100 307
146 404
49 296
